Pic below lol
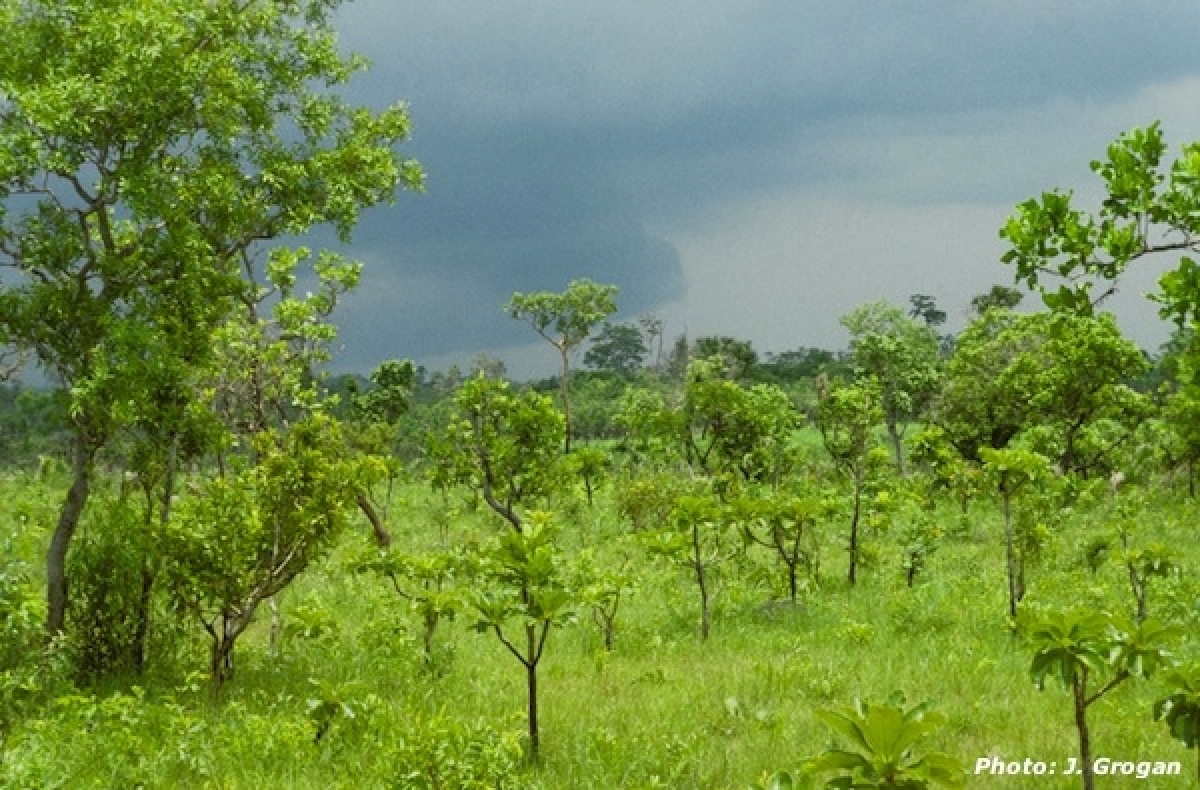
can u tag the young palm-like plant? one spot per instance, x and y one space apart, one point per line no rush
883 750
1181 709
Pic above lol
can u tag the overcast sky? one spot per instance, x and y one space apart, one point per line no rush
754 169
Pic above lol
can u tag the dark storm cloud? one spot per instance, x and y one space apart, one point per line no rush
563 139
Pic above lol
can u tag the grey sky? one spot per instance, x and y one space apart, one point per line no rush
754 169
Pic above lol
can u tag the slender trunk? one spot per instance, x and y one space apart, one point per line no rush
1010 551
854 530
897 445
221 663
565 387
431 624
68 521
1085 740
912 571
701 580
382 536
1139 592
143 619
1191 480
148 565
792 583
587 484
531 679
276 627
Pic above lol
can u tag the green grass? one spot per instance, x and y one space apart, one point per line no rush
663 710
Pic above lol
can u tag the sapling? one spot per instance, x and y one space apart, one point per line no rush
1091 654
1141 563
1009 471
590 464
603 589
524 579
699 537
430 582
848 416
785 525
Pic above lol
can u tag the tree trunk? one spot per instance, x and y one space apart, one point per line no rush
1085 741
382 536
897 445
143 619
792 583
854 530
431 624
531 678
702 581
1139 592
565 388
68 521
1010 552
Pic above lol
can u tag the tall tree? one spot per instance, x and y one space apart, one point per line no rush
617 347
924 307
565 320
998 296
137 180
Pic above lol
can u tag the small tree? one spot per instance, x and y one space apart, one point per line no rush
1091 655
432 583
699 537
847 416
506 447
1142 563
525 579
564 320
1009 471
376 416
785 525
239 540
901 356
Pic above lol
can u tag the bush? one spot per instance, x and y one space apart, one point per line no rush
108 612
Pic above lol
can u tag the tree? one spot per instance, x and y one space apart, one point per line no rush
902 356
737 356
1091 654
785 526
565 320
1150 209
1011 373
847 416
1010 471
924 307
138 181
724 427
999 297
617 347
240 540
526 579
698 536
653 326
505 446
376 416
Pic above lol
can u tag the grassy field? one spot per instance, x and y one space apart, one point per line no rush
664 709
